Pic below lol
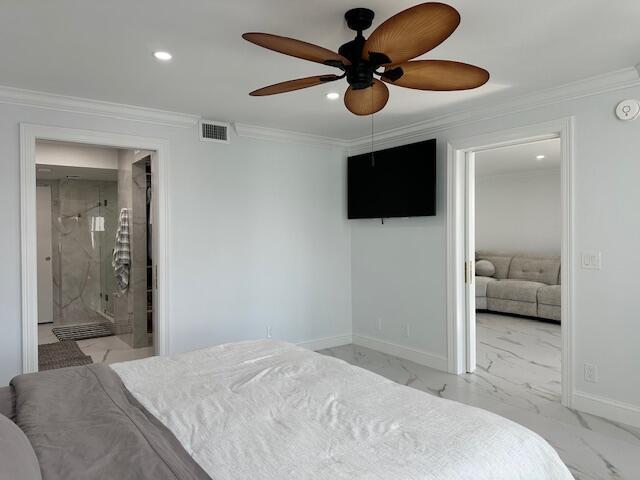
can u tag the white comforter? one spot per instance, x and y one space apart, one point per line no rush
270 410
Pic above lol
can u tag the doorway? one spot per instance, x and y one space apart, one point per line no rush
92 278
516 282
465 293
95 233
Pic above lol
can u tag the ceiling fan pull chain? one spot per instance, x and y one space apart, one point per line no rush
373 158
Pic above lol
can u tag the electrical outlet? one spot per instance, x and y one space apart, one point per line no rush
407 330
268 332
379 324
590 373
591 260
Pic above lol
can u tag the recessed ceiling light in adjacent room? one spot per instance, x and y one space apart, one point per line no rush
162 56
332 96
540 157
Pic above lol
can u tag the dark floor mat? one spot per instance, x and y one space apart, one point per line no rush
61 355
82 332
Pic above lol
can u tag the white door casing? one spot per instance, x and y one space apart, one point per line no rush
459 323
29 134
470 257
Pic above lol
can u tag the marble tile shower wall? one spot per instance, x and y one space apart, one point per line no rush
139 253
130 308
83 235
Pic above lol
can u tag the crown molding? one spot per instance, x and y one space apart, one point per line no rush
617 80
64 103
620 79
287 136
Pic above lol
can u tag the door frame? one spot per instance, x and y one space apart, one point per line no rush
457 232
29 134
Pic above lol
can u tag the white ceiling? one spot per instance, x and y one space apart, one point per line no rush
60 172
102 50
519 158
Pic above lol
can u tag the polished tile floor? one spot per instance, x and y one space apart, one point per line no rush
102 350
518 377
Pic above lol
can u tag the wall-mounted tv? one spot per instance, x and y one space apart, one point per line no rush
396 182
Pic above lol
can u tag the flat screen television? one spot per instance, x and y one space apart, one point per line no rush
396 182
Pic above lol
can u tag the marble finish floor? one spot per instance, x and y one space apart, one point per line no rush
101 350
518 377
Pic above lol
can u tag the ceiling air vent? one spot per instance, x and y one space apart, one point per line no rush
211 131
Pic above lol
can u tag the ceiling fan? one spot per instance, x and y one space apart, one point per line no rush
386 53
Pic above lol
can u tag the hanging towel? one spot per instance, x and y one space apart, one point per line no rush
122 253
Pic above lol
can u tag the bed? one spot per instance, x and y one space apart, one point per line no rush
261 410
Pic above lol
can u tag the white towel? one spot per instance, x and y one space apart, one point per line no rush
122 253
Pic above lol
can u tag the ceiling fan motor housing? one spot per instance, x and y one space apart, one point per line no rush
360 73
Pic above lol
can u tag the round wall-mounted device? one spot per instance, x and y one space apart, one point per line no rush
628 110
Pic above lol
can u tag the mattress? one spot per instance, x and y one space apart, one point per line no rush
268 410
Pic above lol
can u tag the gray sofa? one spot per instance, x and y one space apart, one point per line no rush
521 284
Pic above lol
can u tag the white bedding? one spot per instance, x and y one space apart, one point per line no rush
270 410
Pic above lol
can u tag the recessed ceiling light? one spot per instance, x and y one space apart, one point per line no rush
163 56
332 96
540 157
44 170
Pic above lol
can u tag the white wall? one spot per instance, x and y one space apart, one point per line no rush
607 169
519 212
70 155
258 236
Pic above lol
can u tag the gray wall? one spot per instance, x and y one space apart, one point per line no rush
519 212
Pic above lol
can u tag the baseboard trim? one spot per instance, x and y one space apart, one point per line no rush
415 355
607 408
326 342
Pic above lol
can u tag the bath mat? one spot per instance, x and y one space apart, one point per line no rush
81 332
61 355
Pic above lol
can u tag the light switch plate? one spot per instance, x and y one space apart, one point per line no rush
591 260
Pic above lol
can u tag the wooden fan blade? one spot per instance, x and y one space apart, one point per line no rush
296 48
411 33
367 100
440 75
292 85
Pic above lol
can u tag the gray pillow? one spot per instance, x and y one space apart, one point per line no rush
484 268
17 457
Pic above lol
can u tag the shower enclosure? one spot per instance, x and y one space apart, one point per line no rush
85 222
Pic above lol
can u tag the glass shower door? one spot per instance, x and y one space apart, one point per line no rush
107 222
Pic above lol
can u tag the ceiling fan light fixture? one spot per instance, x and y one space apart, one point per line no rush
332 96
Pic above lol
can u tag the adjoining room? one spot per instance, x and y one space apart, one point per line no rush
95 301
518 229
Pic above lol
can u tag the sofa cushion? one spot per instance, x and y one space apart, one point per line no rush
518 290
549 312
549 295
535 269
529 309
500 262
484 268
481 285
481 303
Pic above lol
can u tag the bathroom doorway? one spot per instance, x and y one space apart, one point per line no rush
95 270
